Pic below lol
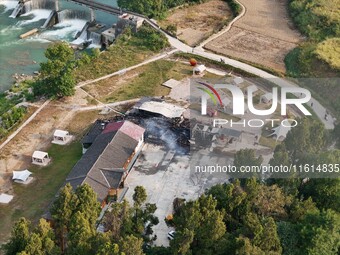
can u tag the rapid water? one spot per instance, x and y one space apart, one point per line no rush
24 55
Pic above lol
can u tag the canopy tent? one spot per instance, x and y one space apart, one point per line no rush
40 158
199 69
280 131
21 175
61 137
5 199
39 154
238 80
61 133
267 98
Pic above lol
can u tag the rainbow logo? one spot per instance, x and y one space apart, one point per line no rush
211 92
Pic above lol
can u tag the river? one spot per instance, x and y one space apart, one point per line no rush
22 56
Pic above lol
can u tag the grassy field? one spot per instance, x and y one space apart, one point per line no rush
128 50
144 81
149 81
32 200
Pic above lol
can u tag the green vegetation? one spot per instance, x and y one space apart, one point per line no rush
148 82
158 8
319 21
129 49
74 214
255 218
234 6
319 55
329 51
153 8
10 119
31 201
57 77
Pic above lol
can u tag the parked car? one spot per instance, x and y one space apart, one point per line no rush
171 235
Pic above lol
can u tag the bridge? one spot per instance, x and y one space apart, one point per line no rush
93 5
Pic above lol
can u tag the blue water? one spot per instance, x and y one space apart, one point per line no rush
24 55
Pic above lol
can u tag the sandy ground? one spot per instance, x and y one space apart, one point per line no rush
196 23
263 36
37 135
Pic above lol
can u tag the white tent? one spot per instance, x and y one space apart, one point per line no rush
252 87
238 80
61 137
267 98
199 69
40 158
5 199
21 175
280 132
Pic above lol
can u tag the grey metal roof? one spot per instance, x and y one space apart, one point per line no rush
113 177
93 133
108 151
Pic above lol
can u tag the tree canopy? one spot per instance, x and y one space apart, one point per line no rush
57 76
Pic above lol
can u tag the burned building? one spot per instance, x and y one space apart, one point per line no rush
112 149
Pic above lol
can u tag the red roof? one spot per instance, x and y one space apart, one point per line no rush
130 129
112 127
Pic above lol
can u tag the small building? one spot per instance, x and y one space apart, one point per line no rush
109 158
40 158
61 137
199 69
238 80
267 98
22 176
126 20
109 36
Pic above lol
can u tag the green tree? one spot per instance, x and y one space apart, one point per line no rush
80 235
57 78
204 221
268 240
42 240
320 233
62 211
118 220
270 201
182 241
247 157
20 236
324 192
289 237
109 249
132 245
87 203
308 138
139 196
